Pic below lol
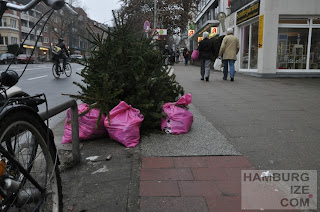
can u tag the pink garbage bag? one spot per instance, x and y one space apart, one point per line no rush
178 120
87 125
124 126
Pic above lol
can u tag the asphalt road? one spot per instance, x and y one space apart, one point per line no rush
38 79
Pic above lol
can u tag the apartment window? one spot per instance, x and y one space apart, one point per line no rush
13 23
31 13
4 40
45 39
55 20
14 40
3 22
24 23
31 24
24 35
45 29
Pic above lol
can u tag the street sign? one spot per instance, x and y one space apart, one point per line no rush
146 26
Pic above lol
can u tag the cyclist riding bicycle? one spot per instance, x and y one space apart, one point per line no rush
60 52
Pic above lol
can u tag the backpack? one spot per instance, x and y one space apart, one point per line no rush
56 50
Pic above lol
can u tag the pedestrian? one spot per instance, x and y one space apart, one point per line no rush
166 53
177 55
186 55
206 50
172 57
229 49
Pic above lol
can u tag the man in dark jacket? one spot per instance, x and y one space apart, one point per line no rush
186 54
63 54
206 50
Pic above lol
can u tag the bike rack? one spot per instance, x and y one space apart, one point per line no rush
72 104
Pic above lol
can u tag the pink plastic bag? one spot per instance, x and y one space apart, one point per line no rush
124 125
178 120
87 125
195 54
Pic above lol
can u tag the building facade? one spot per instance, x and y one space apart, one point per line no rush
15 27
277 37
9 30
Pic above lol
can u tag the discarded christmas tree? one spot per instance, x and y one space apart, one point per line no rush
125 67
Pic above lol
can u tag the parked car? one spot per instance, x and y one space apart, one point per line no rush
6 58
23 58
75 57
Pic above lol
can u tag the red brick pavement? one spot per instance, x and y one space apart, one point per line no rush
211 183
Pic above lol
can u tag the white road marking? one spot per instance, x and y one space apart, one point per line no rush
38 77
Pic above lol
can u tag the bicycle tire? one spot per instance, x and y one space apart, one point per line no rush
68 70
55 73
26 138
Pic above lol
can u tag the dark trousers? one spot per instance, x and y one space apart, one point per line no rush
63 57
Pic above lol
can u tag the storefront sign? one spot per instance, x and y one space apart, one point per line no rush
260 40
190 33
44 49
248 12
214 30
161 32
28 47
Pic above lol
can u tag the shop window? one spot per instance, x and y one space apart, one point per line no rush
292 48
254 46
293 21
245 47
315 49
316 21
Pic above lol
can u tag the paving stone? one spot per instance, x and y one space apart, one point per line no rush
181 162
228 161
159 188
157 162
198 188
173 204
213 173
166 174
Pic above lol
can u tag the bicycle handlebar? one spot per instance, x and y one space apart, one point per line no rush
54 4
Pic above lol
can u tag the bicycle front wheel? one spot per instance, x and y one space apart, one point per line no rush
56 70
68 70
29 160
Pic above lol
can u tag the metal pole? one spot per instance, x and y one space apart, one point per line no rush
72 104
155 15
75 133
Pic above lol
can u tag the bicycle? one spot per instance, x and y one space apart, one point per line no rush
57 70
29 173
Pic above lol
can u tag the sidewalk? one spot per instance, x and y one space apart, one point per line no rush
200 171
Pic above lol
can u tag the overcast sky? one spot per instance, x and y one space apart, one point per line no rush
101 10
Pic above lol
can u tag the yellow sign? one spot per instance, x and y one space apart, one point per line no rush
248 12
190 33
200 39
44 49
260 39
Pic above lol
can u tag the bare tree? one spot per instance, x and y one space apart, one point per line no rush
171 14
